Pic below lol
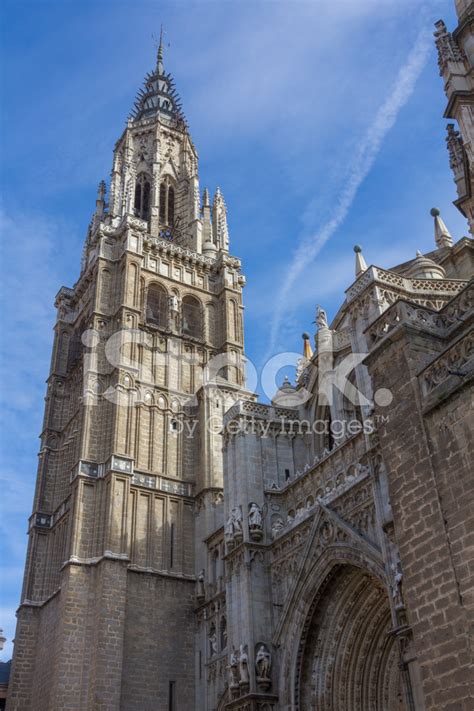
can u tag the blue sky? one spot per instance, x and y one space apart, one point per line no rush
281 98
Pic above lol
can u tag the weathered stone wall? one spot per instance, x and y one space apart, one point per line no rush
158 643
430 488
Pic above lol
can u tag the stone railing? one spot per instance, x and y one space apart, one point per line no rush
249 409
403 312
440 323
447 287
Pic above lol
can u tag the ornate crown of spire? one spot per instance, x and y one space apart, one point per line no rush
158 95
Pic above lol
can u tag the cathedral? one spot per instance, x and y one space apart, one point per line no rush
192 549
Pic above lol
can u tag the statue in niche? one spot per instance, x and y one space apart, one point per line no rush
174 303
236 517
277 526
263 664
234 676
244 666
223 633
397 579
255 521
213 642
200 587
229 532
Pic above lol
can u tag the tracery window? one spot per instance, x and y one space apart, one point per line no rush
157 306
142 196
192 317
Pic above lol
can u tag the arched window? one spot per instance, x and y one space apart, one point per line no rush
167 203
142 196
192 317
170 205
157 306
163 203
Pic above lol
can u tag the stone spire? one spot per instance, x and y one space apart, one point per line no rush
159 56
100 202
442 235
448 49
360 263
220 232
158 96
307 350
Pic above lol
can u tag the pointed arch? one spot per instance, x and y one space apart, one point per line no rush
157 306
141 204
191 324
167 202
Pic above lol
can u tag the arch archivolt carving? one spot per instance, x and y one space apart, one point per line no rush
336 650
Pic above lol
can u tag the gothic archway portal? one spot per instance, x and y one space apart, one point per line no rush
348 660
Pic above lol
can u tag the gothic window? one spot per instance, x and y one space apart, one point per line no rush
163 203
192 317
157 306
351 403
142 196
170 205
167 203
215 556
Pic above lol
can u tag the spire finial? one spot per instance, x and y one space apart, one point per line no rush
360 265
159 58
307 350
442 235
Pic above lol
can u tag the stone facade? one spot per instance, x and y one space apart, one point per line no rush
191 548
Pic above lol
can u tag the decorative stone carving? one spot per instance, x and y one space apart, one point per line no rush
277 526
174 303
244 681
455 149
234 527
263 666
234 675
200 587
255 521
213 642
448 49
321 318
397 579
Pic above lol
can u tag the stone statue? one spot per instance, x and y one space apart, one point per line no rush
277 526
255 516
174 303
397 585
213 642
200 588
321 318
229 532
244 666
234 676
263 663
236 517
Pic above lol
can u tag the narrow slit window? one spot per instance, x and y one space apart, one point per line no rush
172 696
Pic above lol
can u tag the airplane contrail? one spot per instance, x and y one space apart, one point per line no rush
365 155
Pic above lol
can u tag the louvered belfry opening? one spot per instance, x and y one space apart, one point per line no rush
142 196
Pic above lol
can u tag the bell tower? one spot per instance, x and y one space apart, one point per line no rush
147 356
